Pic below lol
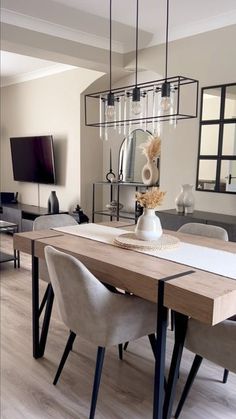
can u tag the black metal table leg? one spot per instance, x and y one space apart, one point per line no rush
35 305
162 315
46 321
181 322
18 259
15 258
162 320
39 342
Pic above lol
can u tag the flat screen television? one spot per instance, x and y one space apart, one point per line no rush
33 159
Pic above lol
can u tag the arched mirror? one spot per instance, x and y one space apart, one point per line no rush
131 159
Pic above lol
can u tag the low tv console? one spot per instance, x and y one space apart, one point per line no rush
23 215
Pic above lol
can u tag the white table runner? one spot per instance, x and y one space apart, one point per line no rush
212 260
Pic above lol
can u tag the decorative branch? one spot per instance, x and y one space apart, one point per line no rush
152 147
151 199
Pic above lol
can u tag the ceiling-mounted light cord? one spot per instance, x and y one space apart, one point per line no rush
110 42
136 50
167 37
129 106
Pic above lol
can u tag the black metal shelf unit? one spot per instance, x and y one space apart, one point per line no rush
115 195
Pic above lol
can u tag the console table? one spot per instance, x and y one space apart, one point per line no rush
115 188
23 215
172 220
6 227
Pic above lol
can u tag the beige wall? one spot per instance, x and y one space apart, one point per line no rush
54 105
211 58
51 105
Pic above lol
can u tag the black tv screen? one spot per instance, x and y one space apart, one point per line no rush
33 159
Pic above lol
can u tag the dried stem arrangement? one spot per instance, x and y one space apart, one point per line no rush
151 199
152 147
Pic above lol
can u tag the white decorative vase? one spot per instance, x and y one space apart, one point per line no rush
185 200
188 199
148 226
150 173
179 201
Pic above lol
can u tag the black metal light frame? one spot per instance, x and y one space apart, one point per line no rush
163 87
176 81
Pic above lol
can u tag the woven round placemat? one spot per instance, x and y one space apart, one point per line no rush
129 241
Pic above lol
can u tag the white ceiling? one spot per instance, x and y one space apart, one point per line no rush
87 22
152 12
16 68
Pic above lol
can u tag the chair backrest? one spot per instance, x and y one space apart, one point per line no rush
215 343
83 301
55 220
205 230
45 222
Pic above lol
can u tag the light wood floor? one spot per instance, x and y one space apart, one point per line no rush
126 388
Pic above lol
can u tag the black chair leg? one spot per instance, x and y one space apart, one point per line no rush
225 376
126 345
153 341
120 348
97 379
193 372
66 352
172 320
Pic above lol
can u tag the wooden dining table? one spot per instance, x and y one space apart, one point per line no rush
189 292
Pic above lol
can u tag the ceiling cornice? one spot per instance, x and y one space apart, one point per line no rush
60 31
195 28
36 74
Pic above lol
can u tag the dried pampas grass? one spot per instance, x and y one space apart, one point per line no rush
151 199
152 147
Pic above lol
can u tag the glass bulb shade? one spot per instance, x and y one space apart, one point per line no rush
165 103
110 106
110 112
136 103
136 107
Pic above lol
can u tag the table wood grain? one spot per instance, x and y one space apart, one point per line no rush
207 297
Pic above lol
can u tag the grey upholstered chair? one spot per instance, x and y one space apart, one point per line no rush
90 310
45 222
215 343
55 220
210 231
205 230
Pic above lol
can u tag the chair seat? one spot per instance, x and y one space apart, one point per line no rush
128 318
93 312
215 343
89 309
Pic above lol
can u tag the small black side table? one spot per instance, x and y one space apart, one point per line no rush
6 257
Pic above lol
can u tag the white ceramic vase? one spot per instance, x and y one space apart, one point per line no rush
148 226
185 200
150 173
188 199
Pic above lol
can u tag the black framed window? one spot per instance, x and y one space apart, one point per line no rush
216 170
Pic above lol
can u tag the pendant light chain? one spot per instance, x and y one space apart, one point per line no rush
110 43
136 51
167 37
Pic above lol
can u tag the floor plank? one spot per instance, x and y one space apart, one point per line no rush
126 388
